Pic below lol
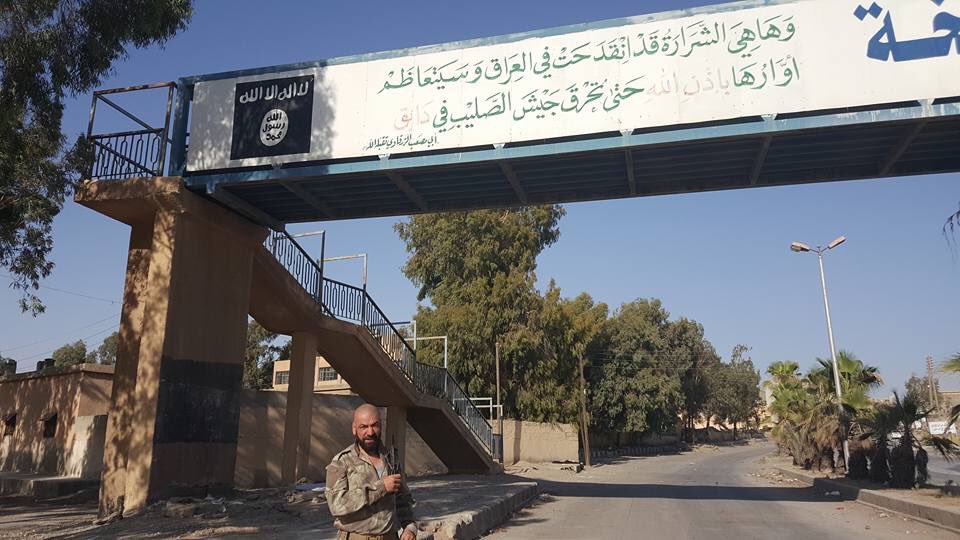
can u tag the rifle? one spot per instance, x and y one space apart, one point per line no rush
392 460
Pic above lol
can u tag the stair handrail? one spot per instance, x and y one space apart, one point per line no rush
338 300
450 391
298 262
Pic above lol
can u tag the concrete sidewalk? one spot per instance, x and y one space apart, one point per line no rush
926 504
448 507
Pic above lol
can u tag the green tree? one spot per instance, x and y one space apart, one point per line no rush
50 49
106 353
70 354
451 251
8 366
568 329
635 395
694 359
260 355
918 390
734 390
477 270
952 364
654 370
633 386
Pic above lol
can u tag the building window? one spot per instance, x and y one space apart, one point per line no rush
9 425
282 377
326 374
50 426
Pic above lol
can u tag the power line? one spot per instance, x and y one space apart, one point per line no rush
97 333
94 323
73 293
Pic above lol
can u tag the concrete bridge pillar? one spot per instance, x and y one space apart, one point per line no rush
299 411
174 410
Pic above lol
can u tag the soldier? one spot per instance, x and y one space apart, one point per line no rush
366 491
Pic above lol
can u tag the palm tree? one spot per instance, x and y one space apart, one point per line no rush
810 418
908 459
877 426
951 226
856 379
783 372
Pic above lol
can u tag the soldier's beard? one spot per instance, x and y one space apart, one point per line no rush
370 446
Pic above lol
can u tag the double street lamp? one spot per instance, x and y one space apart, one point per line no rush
800 247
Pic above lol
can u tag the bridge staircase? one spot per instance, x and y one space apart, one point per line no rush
290 294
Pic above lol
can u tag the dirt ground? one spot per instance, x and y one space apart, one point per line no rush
443 502
261 513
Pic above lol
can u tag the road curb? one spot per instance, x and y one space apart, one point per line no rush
927 514
474 523
635 451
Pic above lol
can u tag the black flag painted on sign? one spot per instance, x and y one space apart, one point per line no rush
272 117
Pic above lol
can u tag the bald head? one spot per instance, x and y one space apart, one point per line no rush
366 413
366 428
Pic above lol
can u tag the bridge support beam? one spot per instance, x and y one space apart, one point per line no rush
174 409
511 176
408 190
299 411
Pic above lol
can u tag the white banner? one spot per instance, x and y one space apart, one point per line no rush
782 58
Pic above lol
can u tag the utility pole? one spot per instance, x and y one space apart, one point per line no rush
584 423
934 401
499 404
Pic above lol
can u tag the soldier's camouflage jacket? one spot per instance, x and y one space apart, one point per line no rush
359 501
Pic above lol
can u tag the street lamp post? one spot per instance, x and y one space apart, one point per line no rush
323 245
363 303
800 247
363 256
433 338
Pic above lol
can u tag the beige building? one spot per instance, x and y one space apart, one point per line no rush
54 421
325 379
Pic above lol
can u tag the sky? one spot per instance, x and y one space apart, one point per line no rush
720 258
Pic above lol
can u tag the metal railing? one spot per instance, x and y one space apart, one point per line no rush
297 262
344 301
353 304
126 154
438 382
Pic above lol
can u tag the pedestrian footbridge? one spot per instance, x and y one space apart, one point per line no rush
756 93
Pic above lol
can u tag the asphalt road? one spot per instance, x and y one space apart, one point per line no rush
942 470
698 495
